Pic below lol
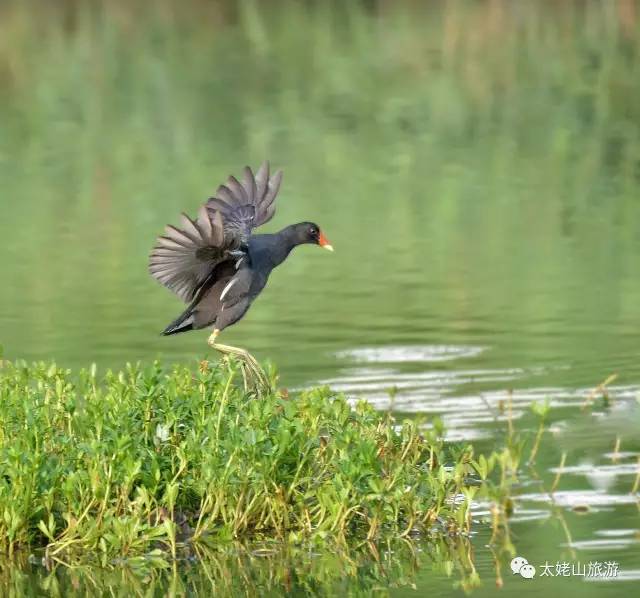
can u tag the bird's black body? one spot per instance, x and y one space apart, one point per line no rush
262 254
214 262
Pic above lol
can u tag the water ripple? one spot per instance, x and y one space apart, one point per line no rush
581 498
617 544
412 353
445 392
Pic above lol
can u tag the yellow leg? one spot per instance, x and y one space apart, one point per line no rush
250 368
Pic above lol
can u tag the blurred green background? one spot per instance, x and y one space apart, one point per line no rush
476 165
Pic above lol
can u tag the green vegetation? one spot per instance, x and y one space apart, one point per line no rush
147 459
155 473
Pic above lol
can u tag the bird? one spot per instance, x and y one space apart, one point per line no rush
218 266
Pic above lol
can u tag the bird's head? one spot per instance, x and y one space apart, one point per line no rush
309 232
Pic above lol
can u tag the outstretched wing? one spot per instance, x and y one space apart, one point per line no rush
184 257
246 205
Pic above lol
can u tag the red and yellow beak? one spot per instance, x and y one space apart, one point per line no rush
324 242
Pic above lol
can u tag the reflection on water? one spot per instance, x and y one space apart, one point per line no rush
581 498
446 392
599 545
428 353
258 570
599 426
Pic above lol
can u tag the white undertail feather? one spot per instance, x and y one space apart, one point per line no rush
227 288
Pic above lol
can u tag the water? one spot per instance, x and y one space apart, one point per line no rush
474 165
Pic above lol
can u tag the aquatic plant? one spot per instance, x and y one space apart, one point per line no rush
148 458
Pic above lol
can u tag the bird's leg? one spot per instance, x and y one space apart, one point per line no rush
226 357
247 362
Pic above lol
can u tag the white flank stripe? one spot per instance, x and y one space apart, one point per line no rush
227 288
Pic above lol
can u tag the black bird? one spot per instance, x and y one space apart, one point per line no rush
218 267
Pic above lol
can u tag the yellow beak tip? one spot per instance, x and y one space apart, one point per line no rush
327 247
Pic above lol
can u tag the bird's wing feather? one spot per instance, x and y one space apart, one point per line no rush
184 257
247 204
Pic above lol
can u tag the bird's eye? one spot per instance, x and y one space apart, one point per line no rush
313 232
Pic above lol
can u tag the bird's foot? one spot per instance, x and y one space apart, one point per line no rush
252 372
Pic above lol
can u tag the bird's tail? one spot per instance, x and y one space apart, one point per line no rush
182 323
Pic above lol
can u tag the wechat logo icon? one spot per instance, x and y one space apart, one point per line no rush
522 566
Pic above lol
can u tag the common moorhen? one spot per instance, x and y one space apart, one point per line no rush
218 267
